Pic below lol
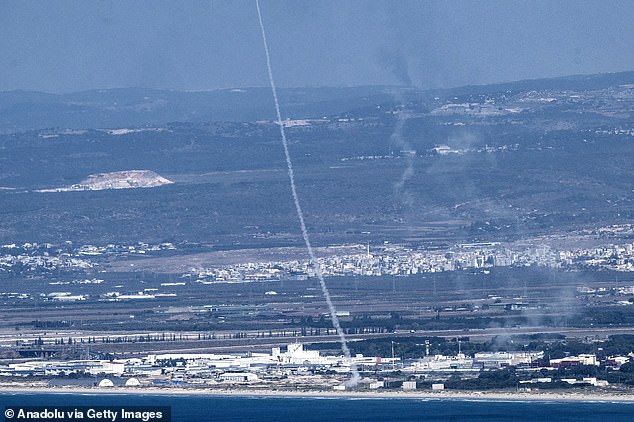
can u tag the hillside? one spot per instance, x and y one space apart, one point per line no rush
480 163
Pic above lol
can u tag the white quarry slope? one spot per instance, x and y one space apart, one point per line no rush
129 179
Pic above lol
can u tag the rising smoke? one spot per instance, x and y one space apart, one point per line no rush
300 214
397 64
397 140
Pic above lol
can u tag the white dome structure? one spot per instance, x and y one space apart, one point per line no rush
132 382
106 383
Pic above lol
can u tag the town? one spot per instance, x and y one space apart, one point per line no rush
397 260
605 252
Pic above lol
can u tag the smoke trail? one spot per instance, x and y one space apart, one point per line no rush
399 141
300 213
396 62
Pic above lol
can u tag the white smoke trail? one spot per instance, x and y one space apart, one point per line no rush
300 214
398 140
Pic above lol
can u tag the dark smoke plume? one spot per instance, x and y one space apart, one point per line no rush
397 64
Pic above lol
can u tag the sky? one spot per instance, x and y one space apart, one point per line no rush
63 46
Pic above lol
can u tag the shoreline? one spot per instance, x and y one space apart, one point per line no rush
574 396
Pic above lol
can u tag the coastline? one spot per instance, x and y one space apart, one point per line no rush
575 396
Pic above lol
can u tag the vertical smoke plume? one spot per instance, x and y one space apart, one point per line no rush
300 214
393 58
397 64
406 151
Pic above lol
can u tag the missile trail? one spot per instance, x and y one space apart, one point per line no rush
300 213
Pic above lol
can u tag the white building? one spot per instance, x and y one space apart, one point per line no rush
238 377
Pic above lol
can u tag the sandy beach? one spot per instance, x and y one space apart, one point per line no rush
594 396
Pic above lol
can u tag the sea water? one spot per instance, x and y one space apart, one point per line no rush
308 409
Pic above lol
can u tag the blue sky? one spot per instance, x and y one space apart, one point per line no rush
72 45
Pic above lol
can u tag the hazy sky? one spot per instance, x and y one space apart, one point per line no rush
63 46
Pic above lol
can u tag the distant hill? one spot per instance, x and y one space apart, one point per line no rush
124 107
573 82
483 163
